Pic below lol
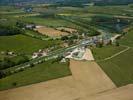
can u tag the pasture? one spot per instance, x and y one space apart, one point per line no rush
127 39
24 44
53 22
42 72
107 51
120 69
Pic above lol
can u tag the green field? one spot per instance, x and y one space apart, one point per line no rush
24 44
118 68
54 22
42 72
119 10
128 39
107 51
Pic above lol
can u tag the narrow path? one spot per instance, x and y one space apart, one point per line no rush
108 58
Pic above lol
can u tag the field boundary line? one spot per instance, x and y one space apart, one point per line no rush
108 58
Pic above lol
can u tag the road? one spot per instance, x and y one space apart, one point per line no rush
51 55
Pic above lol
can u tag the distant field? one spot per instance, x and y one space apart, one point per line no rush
55 22
96 10
51 32
119 10
42 72
23 44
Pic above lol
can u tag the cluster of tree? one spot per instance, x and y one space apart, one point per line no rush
80 22
10 62
6 30
65 38
93 32
103 19
20 24
69 39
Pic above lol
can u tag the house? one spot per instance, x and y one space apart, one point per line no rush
115 37
30 26
28 9
40 53
63 60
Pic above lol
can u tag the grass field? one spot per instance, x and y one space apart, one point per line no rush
107 51
118 68
23 44
55 22
42 72
128 39
119 10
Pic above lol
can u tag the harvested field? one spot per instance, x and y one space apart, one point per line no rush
58 89
50 32
65 29
89 77
122 93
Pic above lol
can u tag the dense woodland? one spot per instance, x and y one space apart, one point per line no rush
6 30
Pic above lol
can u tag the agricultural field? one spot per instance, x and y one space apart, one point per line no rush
89 76
24 44
42 72
60 22
50 32
100 54
37 39
127 39
118 68
119 10
52 22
